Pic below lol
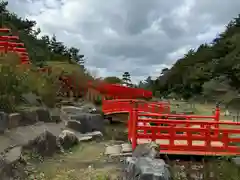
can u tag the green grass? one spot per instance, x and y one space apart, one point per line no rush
86 161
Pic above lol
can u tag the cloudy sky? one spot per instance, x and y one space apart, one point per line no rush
139 36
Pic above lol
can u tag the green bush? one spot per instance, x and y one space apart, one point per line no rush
10 88
16 80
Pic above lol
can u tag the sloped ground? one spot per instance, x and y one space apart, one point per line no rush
87 161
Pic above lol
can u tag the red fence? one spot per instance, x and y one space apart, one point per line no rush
126 105
197 135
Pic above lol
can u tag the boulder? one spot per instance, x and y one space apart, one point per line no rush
96 135
44 115
90 122
55 115
146 168
44 144
12 166
67 139
150 150
66 112
32 99
14 119
3 122
56 118
144 165
75 125
29 116
66 103
88 108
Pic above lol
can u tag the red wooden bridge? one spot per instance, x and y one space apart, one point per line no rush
152 121
175 133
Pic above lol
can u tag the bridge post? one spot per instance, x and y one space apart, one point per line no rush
217 115
133 122
130 118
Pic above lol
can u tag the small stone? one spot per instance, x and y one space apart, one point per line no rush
126 148
85 138
113 150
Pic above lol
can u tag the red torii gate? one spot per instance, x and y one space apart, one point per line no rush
7 45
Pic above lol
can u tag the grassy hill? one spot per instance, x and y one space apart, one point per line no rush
211 71
45 51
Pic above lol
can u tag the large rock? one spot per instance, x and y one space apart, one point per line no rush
14 119
44 115
144 165
67 139
3 122
146 168
12 166
90 122
75 125
66 112
32 99
29 116
88 108
56 118
55 115
44 144
150 150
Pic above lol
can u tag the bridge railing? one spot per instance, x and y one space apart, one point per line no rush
195 135
126 105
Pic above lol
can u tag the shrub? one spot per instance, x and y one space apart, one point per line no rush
16 80
11 88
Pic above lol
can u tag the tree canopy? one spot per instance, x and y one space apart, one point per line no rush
40 49
113 80
218 61
126 79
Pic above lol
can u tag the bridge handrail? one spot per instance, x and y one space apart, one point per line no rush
128 104
208 132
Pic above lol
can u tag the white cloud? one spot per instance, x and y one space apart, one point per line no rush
178 53
210 33
138 36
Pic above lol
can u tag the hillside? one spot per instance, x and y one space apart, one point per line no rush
40 49
211 71
16 80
